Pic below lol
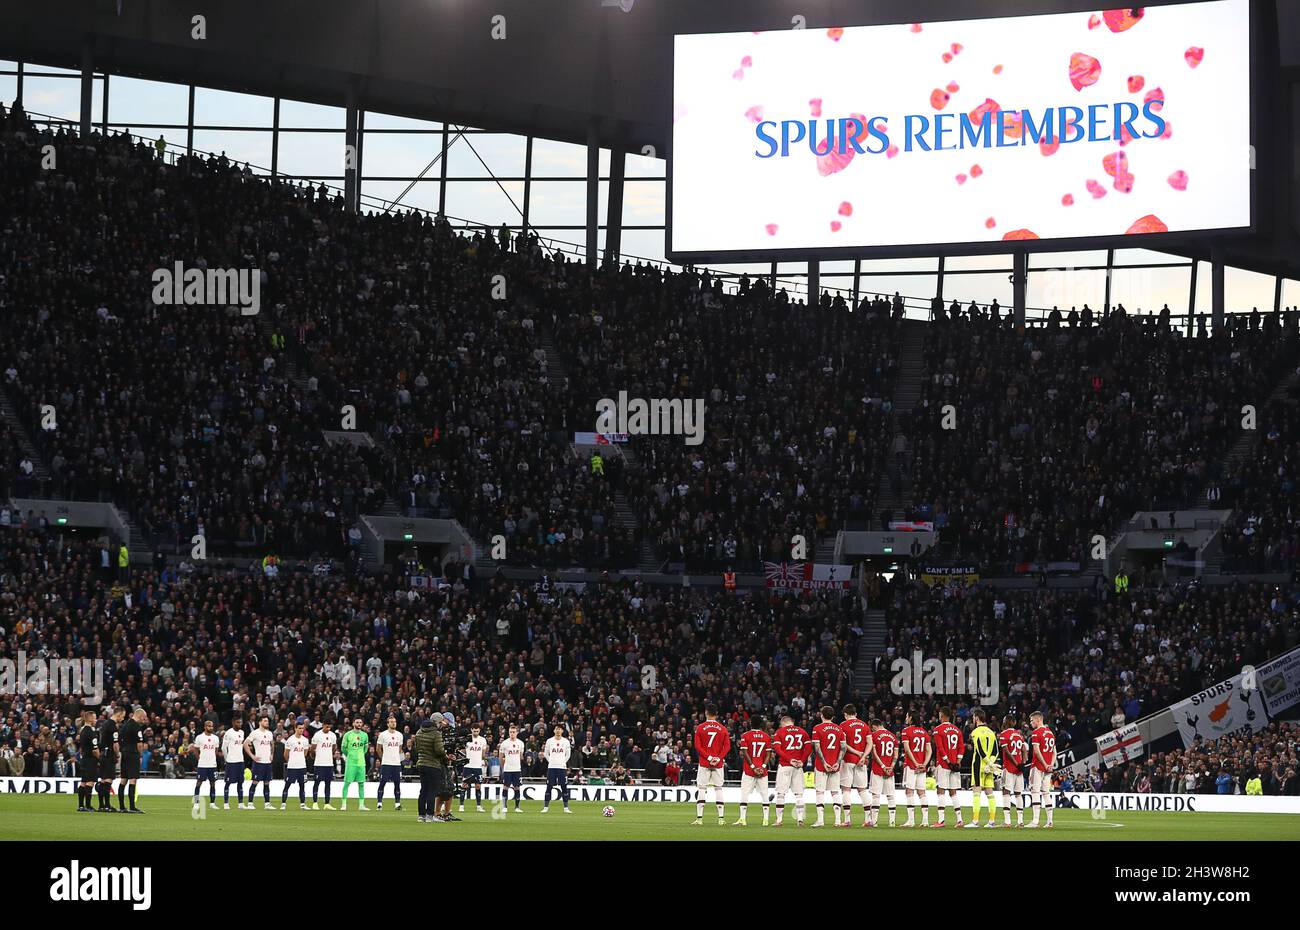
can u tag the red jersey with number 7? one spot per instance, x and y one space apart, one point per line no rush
792 745
884 752
754 747
949 746
830 738
1044 741
712 743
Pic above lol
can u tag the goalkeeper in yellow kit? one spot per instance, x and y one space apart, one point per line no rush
984 768
356 745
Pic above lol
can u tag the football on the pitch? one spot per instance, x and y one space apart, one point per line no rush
608 811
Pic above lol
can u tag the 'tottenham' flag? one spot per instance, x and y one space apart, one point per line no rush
1119 746
807 576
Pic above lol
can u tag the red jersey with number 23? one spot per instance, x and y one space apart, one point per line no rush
754 747
712 743
792 745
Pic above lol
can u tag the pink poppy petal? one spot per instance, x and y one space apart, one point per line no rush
990 223
1020 234
1147 224
846 209
754 114
1123 19
815 104
1084 70
835 225
939 98
1194 56
1178 180
1095 189
976 171
961 179
1067 200
1135 83
953 87
771 229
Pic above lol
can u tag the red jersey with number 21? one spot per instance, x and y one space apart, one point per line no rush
712 743
916 740
792 745
885 752
754 747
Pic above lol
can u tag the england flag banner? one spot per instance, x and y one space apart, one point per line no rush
807 576
1119 746
1225 709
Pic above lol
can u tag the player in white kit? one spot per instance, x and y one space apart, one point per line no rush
558 749
295 767
232 753
390 762
207 744
259 746
512 768
323 765
472 774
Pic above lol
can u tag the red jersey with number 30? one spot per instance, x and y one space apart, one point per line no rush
856 736
1044 741
916 740
830 738
1015 751
949 745
884 753
712 743
754 747
792 745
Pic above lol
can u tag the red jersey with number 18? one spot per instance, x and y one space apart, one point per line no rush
712 743
830 738
1044 741
792 745
884 753
754 747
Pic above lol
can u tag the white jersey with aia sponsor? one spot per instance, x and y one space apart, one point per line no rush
263 744
325 743
232 745
390 742
207 744
295 752
474 750
558 749
512 755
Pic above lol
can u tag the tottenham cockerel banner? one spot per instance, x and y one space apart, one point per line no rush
1119 746
1226 709
807 576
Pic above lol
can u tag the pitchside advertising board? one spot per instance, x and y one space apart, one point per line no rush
874 139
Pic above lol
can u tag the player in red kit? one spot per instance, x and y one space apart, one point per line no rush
792 746
855 771
755 747
1043 743
712 743
916 759
1015 755
884 756
828 747
949 747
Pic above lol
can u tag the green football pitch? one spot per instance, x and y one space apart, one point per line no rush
32 817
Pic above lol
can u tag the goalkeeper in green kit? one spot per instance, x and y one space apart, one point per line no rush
356 746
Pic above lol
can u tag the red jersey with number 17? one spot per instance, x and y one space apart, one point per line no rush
916 740
1044 740
830 738
754 747
792 745
712 743
1015 751
949 745
884 752
857 733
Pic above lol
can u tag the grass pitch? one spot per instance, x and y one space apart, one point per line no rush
44 817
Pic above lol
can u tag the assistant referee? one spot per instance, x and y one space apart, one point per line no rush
431 763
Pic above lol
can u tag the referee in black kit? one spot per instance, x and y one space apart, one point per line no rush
431 763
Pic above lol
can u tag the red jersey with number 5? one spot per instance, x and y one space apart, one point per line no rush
754 747
856 736
792 745
1044 741
916 740
949 745
884 753
1015 751
830 738
712 743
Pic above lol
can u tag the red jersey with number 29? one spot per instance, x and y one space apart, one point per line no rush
712 743
885 752
754 747
792 745
949 745
831 739
1015 751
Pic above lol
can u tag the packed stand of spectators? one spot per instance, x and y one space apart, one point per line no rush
627 669
1064 432
1092 661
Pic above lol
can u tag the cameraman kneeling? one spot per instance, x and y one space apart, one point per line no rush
431 763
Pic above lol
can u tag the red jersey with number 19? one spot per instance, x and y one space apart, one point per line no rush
830 738
885 752
754 747
949 746
712 743
792 745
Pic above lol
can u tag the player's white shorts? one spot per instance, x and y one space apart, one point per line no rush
826 781
946 779
708 778
1039 781
914 779
752 784
1013 784
882 784
853 776
789 778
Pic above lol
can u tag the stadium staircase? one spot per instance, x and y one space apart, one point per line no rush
896 496
870 648
40 471
826 550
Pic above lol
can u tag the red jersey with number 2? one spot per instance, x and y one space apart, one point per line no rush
830 738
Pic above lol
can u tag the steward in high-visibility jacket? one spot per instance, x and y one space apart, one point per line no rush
1121 583
123 557
597 464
